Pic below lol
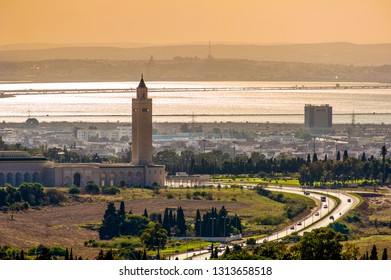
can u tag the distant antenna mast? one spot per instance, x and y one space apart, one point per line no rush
353 123
210 56
353 119
192 125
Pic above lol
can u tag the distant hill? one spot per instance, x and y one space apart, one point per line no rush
330 53
188 69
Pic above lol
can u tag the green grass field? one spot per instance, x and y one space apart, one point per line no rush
248 180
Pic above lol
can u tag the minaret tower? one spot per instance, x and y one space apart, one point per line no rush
142 126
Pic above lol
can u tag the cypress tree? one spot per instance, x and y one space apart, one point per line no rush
373 255
145 214
338 156
66 257
166 222
110 224
385 254
314 157
71 255
198 223
181 222
121 212
100 255
109 255
171 219
345 155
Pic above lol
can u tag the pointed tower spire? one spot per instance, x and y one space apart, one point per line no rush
142 84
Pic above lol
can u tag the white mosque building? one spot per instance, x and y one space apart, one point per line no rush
17 167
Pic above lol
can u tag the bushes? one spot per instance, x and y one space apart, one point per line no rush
268 220
54 197
74 190
92 188
110 190
30 194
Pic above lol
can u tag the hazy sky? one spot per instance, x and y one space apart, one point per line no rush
189 21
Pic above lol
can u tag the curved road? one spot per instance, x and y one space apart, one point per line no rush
319 217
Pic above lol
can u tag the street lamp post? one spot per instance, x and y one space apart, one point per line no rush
224 225
212 219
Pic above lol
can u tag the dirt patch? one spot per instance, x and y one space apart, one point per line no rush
60 226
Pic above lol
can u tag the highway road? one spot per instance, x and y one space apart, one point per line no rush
319 217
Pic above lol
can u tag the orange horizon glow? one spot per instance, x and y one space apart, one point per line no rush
178 21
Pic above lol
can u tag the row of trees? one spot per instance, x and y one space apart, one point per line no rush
217 224
40 252
350 169
319 244
118 222
154 229
312 169
175 224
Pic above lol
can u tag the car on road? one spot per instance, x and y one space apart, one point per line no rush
349 200
292 228
316 213
325 206
299 223
306 193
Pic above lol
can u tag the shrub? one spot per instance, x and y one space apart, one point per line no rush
54 197
170 196
353 218
74 190
92 188
110 190
268 220
251 241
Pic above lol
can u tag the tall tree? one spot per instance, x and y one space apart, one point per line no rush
121 212
338 158
166 222
383 154
181 222
154 236
145 214
385 254
110 224
345 155
320 244
373 255
198 223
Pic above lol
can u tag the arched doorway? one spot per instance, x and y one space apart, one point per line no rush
10 178
2 179
27 177
18 179
77 179
36 177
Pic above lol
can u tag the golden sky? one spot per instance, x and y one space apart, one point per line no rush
194 21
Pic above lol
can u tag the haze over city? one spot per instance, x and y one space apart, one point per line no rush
184 22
